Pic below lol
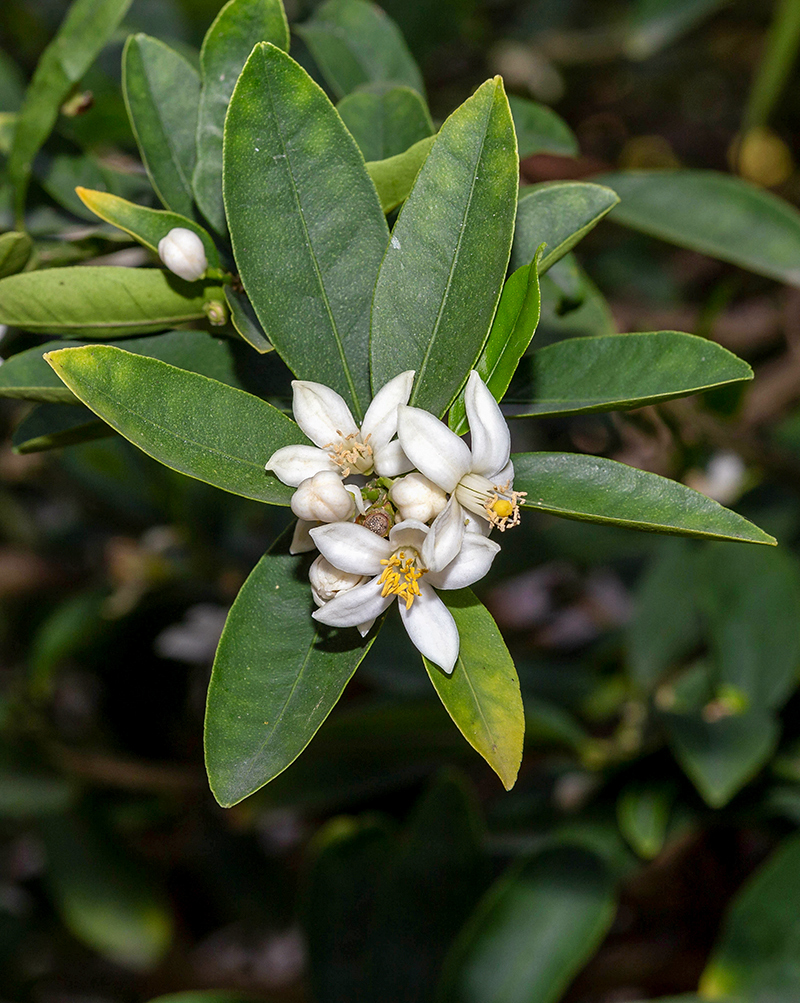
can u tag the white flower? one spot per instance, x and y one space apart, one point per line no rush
183 253
480 479
415 497
323 498
339 445
415 560
328 582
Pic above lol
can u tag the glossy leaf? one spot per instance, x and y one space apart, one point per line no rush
15 249
188 422
148 226
643 815
444 268
50 426
620 371
558 214
85 30
721 756
540 130
594 489
99 301
238 27
512 329
350 856
309 202
394 177
716 214
243 318
758 943
533 931
105 898
277 675
162 94
385 121
482 695
653 24
439 859
749 598
26 376
353 42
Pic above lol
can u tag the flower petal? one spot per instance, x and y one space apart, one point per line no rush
352 548
293 464
470 565
323 498
321 413
356 607
380 421
434 450
443 541
408 533
431 627
301 540
491 440
391 461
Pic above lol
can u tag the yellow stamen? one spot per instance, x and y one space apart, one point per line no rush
351 453
502 507
400 577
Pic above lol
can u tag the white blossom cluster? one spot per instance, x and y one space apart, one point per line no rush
397 508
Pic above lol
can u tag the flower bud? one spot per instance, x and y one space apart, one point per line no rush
323 498
415 497
327 582
183 253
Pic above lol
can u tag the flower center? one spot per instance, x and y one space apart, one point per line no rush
498 503
400 576
350 454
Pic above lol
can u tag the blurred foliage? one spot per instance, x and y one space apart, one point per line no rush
650 845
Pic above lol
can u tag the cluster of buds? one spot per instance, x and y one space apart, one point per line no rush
397 508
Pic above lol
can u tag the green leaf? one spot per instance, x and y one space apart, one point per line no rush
106 899
444 268
188 422
85 30
385 121
308 201
572 309
394 177
243 318
721 756
665 626
620 371
716 214
50 426
26 376
540 130
533 931
482 695
15 249
594 489
162 94
558 214
750 598
354 43
350 857
758 943
238 27
653 24
643 812
513 328
100 301
276 677
148 226
439 859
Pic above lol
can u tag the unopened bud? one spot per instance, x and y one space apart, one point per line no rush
183 253
327 582
415 497
323 498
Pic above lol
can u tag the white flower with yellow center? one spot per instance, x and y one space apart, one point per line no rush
340 445
479 479
409 565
